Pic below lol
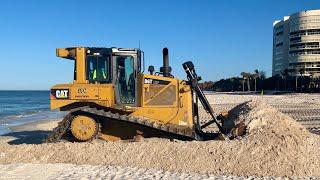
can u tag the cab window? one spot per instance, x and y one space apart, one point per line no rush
98 69
126 79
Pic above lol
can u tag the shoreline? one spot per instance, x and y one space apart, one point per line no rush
38 125
11 123
29 133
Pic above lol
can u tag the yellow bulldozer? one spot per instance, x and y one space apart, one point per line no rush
111 98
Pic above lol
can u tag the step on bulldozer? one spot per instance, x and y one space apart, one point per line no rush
111 98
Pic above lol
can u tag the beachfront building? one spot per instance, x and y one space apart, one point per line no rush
296 44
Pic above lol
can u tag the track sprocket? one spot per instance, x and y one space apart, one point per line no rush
84 128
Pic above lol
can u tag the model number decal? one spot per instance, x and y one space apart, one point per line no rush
82 91
148 81
155 81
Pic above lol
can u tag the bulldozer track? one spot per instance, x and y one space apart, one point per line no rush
63 127
60 130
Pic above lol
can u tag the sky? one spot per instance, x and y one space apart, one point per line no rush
222 37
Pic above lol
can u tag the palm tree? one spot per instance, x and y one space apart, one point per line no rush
243 79
256 71
243 85
246 76
262 75
255 76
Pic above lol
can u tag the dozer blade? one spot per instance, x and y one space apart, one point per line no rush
233 130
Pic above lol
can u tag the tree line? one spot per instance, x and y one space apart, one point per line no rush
257 81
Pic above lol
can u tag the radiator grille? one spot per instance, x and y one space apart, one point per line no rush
167 96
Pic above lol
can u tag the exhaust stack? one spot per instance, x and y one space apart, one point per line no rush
165 69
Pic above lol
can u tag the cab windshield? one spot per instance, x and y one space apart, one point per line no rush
98 69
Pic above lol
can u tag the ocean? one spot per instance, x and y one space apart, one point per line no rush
21 107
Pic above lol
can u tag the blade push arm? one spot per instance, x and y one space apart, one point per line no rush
193 81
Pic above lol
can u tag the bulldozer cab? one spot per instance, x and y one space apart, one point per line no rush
118 67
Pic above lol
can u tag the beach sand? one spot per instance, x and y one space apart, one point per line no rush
36 132
275 146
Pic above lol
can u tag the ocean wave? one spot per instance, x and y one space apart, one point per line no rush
27 118
22 115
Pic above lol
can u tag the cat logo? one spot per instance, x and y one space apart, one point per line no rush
62 94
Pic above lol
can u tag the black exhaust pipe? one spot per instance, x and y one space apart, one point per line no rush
166 69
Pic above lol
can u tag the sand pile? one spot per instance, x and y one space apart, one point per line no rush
274 145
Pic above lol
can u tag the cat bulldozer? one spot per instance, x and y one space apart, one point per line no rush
111 98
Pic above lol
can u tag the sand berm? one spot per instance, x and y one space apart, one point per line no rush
274 145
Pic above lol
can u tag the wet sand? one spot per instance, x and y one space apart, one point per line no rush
30 133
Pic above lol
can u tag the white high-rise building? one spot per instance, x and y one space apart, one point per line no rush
296 44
